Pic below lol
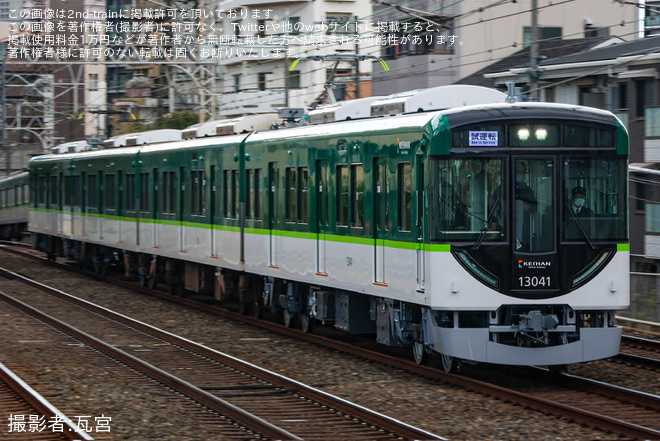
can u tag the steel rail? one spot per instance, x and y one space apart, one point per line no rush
508 395
337 403
70 430
212 402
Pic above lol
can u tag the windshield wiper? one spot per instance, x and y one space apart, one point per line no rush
581 228
489 219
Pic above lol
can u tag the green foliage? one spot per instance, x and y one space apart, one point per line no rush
175 120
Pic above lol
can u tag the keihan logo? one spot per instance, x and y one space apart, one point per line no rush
534 264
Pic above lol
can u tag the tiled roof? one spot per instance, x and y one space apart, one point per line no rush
550 50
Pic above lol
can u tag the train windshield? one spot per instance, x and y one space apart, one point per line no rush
466 199
595 192
472 201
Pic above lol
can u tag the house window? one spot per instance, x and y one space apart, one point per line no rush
262 81
294 79
93 82
644 96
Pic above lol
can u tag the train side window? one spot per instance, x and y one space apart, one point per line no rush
91 191
405 196
26 194
144 192
77 191
258 194
357 195
66 191
53 191
303 194
198 205
249 190
291 194
130 192
234 195
226 187
41 190
110 187
169 192
342 195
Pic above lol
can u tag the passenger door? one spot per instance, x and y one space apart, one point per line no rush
381 217
322 214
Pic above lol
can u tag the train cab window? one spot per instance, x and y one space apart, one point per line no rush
533 205
357 195
303 194
342 195
588 136
466 199
405 196
595 199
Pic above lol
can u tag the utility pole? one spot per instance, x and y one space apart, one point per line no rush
534 54
357 62
3 105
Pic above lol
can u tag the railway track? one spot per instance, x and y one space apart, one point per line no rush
30 416
639 351
569 397
263 402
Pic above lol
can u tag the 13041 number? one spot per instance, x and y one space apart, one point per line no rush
534 281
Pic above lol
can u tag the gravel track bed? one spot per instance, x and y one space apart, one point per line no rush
139 415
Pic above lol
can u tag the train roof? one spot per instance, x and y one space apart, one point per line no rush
381 125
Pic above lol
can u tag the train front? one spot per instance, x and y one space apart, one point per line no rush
532 200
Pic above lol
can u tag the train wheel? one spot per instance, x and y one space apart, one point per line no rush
449 363
288 318
306 322
420 354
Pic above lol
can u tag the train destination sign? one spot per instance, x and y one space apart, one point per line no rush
483 138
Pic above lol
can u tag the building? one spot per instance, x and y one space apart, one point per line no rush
433 43
48 87
265 37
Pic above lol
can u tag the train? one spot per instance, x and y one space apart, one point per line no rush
14 202
449 232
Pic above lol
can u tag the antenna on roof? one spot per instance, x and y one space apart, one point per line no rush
511 92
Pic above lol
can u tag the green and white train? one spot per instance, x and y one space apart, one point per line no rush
14 201
450 232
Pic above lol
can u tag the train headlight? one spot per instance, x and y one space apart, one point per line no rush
541 134
523 134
